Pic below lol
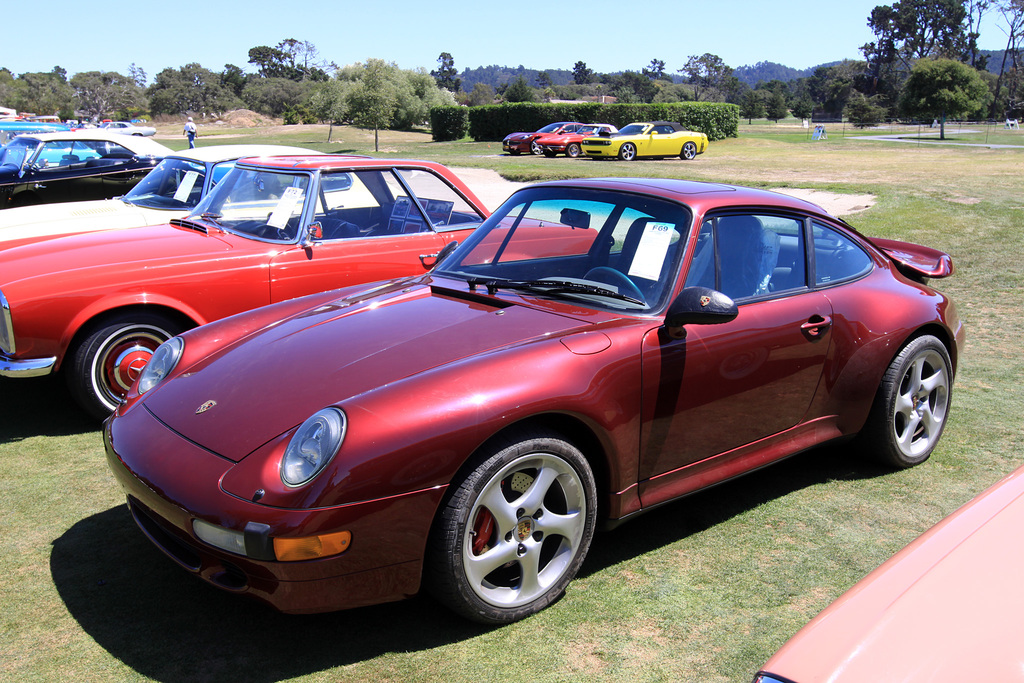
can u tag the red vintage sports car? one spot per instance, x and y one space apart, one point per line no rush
94 306
524 143
553 144
596 348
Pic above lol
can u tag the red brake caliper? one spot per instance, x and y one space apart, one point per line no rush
483 527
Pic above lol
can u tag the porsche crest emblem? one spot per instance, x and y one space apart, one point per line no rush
524 528
206 406
705 300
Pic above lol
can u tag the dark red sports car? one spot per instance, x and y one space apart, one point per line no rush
596 348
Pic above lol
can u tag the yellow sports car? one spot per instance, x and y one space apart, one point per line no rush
651 139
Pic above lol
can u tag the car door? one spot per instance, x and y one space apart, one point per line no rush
662 142
59 173
711 395
373 226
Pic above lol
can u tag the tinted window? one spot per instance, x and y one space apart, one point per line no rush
748 255
837 257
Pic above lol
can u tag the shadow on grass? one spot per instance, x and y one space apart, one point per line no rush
710 507
169 626
40 406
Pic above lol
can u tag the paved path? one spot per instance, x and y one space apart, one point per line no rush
921 138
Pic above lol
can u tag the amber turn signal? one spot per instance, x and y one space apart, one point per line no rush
311 547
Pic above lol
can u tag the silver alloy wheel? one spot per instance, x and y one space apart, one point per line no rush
536 148
572 150
627 152
921 404
689 151
539 510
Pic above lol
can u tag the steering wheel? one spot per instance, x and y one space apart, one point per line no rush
617 279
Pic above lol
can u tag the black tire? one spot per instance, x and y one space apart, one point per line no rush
514 152
549 154
910 409
573 150
111 356
544 502
627 152
689 152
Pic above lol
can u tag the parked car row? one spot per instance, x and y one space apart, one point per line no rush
586 353
653 139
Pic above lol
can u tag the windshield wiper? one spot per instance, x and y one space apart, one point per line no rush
548 286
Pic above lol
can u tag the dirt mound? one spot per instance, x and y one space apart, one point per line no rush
245 118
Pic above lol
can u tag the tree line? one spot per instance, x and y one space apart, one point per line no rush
920 48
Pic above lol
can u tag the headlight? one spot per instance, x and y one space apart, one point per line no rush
313 446
161 363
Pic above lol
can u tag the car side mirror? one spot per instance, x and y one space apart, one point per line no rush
698 306
314 233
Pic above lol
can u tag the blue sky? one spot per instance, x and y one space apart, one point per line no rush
608 36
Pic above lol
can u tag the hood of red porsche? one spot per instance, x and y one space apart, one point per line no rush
276 378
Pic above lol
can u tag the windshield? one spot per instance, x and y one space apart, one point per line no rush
633 129
626 244
261 203
16 151
550 128
173 184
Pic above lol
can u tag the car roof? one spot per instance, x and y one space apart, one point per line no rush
331 161
140 145
699 195
226 152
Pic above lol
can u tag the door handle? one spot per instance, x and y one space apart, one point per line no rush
816 325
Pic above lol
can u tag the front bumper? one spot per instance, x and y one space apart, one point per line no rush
521 146
32 367
170 482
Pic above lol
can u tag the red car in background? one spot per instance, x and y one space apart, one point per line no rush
525 143
594 349
553 144
94 306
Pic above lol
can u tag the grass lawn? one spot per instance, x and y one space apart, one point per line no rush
701 590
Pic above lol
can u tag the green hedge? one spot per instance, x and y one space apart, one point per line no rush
717 120
449 123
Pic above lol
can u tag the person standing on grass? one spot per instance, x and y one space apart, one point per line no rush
190 131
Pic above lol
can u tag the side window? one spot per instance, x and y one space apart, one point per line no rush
446 208
219 171
836 256
56 154
747 255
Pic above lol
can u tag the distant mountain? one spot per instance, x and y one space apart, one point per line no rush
495 76
769 71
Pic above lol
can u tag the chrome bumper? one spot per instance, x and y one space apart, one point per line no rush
35 367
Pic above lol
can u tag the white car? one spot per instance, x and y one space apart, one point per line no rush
128 128
171 190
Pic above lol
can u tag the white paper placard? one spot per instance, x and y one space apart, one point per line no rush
650 253
285 207
185 189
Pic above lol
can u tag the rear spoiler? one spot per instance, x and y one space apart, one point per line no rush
915 261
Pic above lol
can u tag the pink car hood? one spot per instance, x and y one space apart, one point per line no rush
280 375
946 608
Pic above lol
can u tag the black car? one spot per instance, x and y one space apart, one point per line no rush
73 166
